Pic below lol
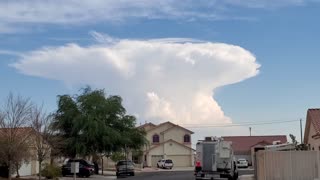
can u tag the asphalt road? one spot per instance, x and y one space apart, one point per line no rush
170 175
161 175
245 171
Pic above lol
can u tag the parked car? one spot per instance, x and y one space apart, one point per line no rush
242 163
125 167
86 169
160 163
165 164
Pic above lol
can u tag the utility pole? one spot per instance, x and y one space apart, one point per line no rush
250 130
301 130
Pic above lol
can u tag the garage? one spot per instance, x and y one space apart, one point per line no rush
26 169
155 159
180 160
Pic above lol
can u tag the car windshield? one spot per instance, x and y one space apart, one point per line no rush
168 161
121 163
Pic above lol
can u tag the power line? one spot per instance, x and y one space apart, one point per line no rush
235 125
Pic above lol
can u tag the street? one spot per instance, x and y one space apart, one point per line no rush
161 175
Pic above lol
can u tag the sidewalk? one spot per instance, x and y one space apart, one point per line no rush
246 177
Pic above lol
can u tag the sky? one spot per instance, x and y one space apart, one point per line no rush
200 64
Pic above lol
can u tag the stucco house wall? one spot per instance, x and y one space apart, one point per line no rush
314 142
178 135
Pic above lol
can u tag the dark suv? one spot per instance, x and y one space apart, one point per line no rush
125 168
86 169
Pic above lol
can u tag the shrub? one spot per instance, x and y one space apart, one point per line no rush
4 171
51 171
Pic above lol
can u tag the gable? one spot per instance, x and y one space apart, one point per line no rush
161 127
177 127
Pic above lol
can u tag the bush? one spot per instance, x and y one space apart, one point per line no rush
51 171
117 156
4 171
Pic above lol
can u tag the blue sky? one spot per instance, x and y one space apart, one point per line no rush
281 35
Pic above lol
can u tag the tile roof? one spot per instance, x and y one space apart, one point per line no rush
177 126
146 124
315 118
243 144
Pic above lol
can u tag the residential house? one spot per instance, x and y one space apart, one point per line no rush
246 146
312 129
168 140
28 135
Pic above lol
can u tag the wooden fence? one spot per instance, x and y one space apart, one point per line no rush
287 165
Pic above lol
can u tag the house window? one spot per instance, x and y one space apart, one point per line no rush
186 138
155 138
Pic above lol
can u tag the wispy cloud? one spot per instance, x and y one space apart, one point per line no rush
16 12
10 53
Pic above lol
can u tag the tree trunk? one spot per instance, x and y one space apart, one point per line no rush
9 170
102 165
17 169
40 167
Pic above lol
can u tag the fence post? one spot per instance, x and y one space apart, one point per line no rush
265 167
318 164
290 164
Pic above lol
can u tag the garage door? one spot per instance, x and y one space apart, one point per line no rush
155 159
25 169
181 161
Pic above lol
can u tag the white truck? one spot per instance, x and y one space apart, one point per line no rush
215 160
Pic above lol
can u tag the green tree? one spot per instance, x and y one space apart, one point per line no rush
92 123
300 147
293 139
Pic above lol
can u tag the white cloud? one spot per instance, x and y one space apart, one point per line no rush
13 13
160 80
267 3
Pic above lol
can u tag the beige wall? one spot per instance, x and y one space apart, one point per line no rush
177 134
158 131
314 143
172 148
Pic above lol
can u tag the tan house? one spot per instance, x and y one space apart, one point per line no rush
170 141
312 129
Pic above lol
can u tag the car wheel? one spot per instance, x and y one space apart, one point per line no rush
132 174
158 166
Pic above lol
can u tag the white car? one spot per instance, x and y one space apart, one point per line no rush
242 163
165 164
160 163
